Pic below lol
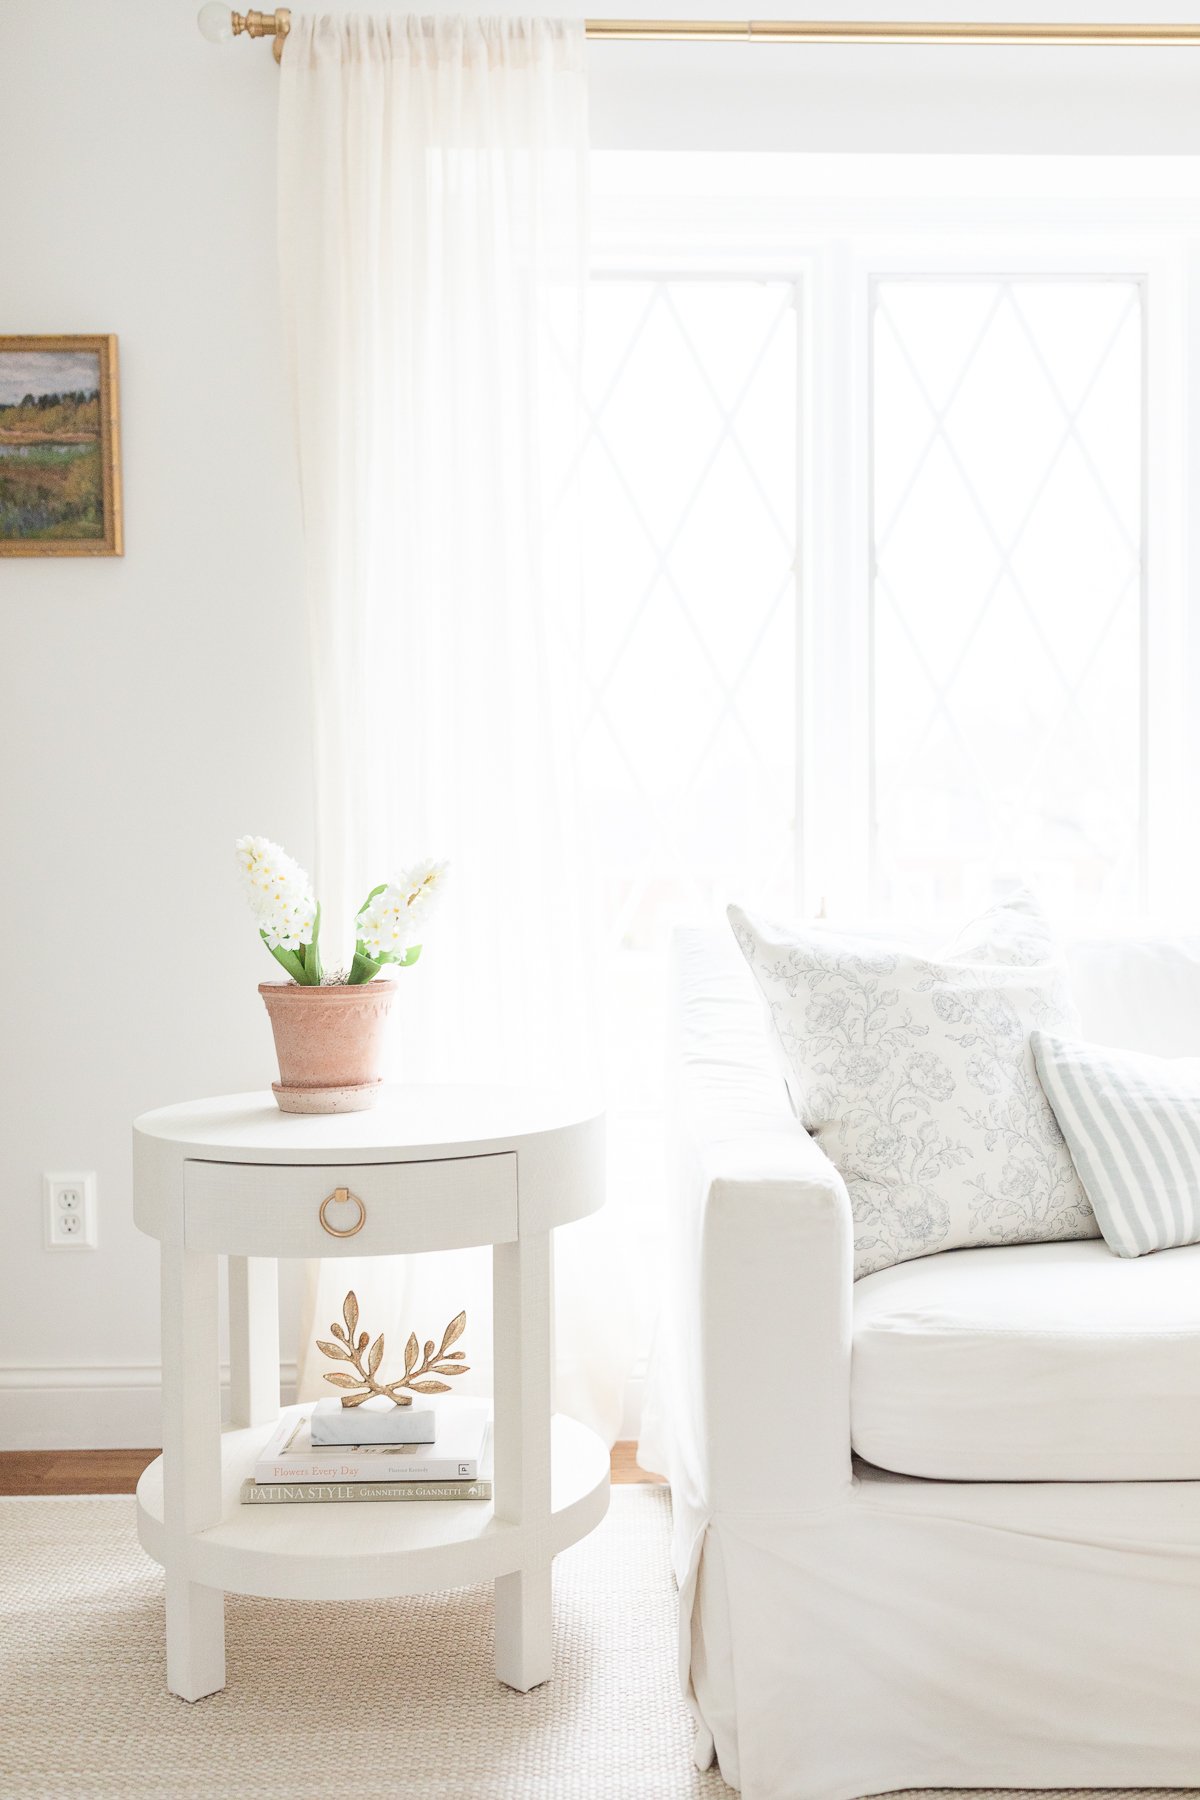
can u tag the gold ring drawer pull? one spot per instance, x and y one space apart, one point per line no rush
341 1195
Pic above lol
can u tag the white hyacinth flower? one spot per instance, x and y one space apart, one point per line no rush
290 922
422 885
384 927
280 893
389 924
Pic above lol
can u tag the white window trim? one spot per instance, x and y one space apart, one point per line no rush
769 239
840 853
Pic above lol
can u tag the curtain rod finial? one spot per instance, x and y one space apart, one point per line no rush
218 24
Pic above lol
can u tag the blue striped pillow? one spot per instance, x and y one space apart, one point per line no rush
1132 1125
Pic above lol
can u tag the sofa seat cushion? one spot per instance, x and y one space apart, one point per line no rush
1030 1362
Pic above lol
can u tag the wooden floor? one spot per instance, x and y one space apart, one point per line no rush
624 1465
26 1472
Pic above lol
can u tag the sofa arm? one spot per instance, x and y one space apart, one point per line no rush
747 1402
773 1324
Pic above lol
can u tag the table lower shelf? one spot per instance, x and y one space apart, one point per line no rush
372 1549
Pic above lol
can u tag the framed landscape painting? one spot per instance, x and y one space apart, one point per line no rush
60 472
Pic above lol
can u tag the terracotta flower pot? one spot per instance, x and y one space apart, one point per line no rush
329 1041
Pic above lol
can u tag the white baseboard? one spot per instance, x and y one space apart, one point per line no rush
110 1407
115 1406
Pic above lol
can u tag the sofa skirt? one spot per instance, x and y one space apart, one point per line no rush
932 1635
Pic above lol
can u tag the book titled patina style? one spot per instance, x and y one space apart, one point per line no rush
306 1493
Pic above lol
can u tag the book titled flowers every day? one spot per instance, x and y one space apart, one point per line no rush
462 1428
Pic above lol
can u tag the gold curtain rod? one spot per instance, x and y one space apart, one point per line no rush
880 31
276 25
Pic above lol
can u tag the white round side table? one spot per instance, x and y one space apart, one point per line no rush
429 1168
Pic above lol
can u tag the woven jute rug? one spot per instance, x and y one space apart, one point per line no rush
367 1699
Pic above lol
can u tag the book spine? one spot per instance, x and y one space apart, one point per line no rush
366 1468
308 1493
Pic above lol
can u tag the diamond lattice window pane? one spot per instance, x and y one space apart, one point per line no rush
689 488
1007 540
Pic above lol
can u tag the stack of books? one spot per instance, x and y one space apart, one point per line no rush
453 1463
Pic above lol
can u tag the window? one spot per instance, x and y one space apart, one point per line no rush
1006 593
689 473
888 507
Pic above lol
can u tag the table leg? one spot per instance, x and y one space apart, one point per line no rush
253 1340
521 1332
191 1396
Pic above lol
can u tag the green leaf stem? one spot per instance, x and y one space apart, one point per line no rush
366 968
310 954
287 959
363 968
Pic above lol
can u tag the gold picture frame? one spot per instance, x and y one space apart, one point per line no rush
60 447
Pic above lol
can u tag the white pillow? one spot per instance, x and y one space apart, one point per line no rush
1133 1126
917 1079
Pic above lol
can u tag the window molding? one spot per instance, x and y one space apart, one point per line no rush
770 238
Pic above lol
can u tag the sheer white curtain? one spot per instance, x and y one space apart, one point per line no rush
433 181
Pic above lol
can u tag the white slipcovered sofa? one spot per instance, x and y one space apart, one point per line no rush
940 1527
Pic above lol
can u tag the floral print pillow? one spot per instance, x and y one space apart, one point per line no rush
917 1079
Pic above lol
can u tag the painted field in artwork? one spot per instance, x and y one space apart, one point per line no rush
51 485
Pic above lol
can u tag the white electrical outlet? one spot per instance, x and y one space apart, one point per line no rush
70 1210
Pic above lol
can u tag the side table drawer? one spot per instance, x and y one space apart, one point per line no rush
359 1209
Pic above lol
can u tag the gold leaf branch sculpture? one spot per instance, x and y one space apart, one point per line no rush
351 1344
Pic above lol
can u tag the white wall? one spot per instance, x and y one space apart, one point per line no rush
897 98
155 706
894 98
